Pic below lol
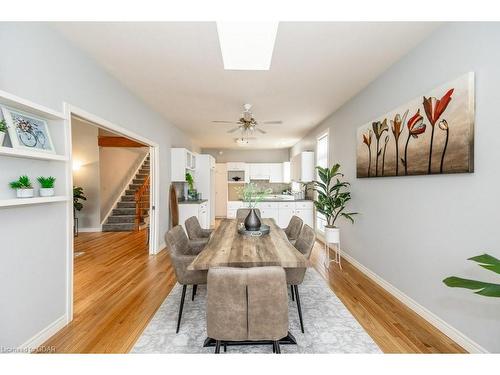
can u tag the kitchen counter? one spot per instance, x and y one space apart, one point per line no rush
198 201
282 200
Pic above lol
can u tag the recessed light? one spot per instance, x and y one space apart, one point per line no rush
247 45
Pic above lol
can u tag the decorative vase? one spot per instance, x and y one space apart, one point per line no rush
252 221
25 193
46 192
2 137
332 235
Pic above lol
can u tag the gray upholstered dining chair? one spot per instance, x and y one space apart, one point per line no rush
254 300
293 229
295 276
242 213
195 231
182 253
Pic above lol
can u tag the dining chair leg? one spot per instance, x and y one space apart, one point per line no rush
274 347
277 347
194 291
217 346
296 289
184 287
225 347
291 292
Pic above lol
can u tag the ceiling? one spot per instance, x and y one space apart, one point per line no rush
177 69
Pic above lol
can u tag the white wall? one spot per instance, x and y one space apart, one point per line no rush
43 67
415 231
86 152
249 156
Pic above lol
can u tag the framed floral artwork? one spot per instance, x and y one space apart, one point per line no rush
432 134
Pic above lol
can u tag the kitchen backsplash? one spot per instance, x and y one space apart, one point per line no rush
277 188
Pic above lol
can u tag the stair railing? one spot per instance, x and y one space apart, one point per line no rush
140 202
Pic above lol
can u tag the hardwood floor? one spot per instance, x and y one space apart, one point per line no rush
118 287
393 326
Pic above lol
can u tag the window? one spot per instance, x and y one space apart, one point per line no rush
321 161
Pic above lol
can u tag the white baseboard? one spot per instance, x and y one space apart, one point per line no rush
42 336
85 230
161 246
454 334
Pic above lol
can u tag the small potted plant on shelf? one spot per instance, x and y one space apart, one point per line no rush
332 199
3 130
23 187
46 186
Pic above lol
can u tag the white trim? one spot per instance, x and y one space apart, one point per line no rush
457 336
70 110
125 187
88 230
161 246
11 100
42 336
34 200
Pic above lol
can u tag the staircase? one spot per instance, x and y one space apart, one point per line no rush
122 218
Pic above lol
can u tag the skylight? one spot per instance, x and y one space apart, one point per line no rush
247 45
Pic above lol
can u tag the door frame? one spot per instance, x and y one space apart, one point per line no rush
154 245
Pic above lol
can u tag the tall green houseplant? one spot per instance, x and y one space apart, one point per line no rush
333 195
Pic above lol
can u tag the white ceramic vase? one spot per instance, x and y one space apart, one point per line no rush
332 235
25 193
46 192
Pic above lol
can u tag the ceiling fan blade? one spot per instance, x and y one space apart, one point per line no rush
260 130
233 130
224 122
272 122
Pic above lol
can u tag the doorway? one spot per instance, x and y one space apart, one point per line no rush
120 171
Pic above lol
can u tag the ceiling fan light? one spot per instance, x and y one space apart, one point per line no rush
247 45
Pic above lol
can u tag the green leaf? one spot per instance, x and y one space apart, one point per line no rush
481 288
487 261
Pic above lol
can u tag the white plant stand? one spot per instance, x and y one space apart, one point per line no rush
336 258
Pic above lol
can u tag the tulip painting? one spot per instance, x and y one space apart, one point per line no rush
367 140
397 127
416 127
430 135
434 108
378 129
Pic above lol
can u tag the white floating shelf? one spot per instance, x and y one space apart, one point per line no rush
20 153
27 106
35 200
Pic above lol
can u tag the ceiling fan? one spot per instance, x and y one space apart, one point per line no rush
247 123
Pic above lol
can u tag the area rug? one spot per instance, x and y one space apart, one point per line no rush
329 326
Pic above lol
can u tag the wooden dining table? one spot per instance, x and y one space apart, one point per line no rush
228 248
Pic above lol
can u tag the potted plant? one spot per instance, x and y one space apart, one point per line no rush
23 187
482 288
77 196
3 130
46 186
251 195
191 193
332 199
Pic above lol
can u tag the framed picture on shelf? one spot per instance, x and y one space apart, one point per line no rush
27 131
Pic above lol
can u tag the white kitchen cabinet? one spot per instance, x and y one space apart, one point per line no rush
181 160
302 167
275 172
266 171
284 216
236 166
286 172
200 210
306 215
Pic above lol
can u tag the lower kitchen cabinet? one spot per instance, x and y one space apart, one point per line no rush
281 212
200 210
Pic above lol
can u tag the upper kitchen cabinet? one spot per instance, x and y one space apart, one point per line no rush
272 172
181 160
302 167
